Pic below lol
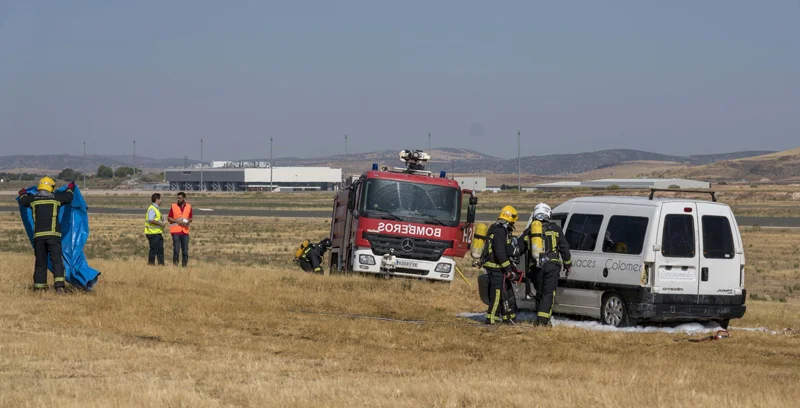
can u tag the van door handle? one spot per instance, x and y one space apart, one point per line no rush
704 274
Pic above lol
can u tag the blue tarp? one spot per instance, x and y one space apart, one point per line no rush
74 232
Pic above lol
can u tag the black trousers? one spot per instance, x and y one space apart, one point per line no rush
156 249
305 265
549 273
501 297
534 278
180 245
42 247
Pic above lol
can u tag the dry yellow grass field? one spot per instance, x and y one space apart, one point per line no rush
242 327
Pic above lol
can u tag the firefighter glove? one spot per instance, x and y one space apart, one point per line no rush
567 270
71 185
22 192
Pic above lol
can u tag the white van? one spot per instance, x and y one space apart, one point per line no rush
638 259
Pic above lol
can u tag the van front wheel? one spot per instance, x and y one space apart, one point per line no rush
614 311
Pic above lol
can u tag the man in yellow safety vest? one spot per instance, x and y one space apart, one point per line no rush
154 229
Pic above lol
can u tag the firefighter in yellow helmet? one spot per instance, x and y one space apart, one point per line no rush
546 268
311 259
497 264
47 231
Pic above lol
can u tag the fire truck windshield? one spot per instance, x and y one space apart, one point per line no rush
412 202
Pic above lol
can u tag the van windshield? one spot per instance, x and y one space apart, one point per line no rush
411 202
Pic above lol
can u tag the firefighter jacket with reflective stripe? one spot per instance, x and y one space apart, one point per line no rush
499 246
149 228
178 212
44 207
556 247
313 254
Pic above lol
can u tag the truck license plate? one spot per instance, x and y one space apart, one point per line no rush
406 264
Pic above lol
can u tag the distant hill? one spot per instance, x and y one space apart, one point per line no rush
780 166
56 163
464 161
565 164
711 158
468 161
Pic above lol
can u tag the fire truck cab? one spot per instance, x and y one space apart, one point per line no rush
401 222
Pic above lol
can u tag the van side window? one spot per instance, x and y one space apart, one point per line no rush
717 237
559 219
582 231
678 238
625 235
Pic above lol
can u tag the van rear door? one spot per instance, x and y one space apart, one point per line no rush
719 260
677 256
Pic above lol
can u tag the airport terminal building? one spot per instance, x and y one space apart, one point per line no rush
230 176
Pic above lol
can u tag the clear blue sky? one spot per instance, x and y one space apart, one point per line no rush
676 77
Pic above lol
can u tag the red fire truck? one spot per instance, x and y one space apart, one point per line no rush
402 222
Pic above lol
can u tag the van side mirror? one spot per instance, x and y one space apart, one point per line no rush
473 200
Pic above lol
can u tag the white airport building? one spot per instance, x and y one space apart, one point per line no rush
253 176
633 183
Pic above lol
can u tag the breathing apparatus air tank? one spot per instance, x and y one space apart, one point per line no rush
303 246
478 240
537 244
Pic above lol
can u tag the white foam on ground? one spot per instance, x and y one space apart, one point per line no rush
756 329
594 325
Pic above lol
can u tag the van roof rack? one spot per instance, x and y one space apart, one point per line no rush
678 190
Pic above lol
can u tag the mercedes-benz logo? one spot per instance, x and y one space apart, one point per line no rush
407 245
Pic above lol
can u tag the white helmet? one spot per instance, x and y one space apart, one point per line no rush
542 212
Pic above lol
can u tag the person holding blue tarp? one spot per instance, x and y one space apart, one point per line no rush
51 213
47 231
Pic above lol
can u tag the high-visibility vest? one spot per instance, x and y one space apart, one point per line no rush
152 228
178 213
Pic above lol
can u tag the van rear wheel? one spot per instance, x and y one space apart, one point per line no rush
614 311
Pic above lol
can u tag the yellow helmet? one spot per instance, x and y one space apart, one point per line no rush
509 214
47 184
621 247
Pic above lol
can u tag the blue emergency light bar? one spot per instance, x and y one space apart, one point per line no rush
442 174
374 166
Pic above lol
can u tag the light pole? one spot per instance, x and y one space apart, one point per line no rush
202 187
271 188
84 163
134 158
345 157
519 165
429 142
